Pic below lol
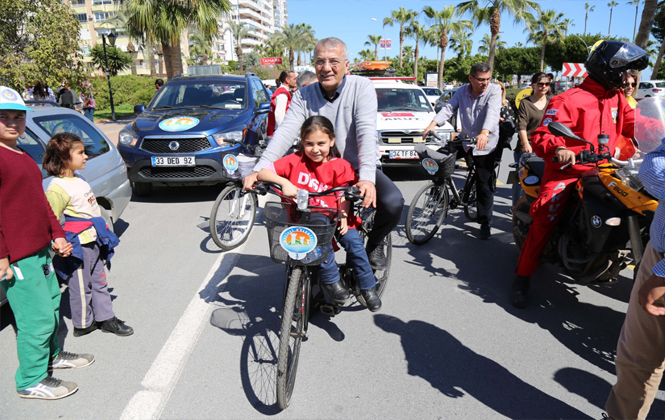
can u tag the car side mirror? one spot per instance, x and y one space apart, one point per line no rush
264 107
138 109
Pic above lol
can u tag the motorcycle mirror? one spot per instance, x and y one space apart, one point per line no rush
562 130
603 139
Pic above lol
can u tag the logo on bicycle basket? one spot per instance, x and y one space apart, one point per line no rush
430 166
230 163
298 241
179 123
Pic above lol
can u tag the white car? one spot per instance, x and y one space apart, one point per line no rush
432 94
650 88
403 114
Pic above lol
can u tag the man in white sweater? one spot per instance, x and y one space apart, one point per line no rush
350 103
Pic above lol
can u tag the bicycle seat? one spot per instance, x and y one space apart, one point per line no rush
424 151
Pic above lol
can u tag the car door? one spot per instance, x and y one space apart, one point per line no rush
261 100
643 90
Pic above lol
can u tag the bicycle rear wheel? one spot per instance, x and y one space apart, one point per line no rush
426 213
232 217
294 327
470 200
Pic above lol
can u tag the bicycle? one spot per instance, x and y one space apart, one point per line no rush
300 236
432 202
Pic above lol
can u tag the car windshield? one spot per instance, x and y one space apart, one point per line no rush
396 99
204 94
660 84
432 91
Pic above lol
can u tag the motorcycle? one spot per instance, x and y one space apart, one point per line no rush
609 216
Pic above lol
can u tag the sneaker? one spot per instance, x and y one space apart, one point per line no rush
485 231
78 332
117 327
49 388
372 299
377 256
67 360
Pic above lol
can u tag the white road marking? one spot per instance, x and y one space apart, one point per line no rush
169 364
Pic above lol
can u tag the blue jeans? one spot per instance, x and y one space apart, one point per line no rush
357 259
517 188
89 113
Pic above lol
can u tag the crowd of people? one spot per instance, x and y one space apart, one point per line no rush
65 95
335 120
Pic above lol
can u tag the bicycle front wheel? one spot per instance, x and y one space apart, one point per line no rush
232 217
426 213
294 318
470 200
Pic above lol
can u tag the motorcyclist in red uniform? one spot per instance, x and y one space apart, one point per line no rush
596 106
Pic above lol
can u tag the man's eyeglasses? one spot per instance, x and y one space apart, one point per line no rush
625 85
334 63
481 79
543 84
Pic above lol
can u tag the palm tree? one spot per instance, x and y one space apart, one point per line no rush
637 9
293 40
402 16
366 55
549 27
611 5
272 47
491 14
200 47
308 41
418 33
659 20
567 23
239 30
120 22
117 59
484 46
587 9
374 40
461 42
646 23
443 22
408 53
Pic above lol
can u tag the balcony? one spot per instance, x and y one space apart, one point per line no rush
254 4
249 14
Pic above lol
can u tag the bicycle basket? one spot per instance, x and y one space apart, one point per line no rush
438 165
299 235
237 167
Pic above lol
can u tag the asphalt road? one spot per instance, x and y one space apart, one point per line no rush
446 344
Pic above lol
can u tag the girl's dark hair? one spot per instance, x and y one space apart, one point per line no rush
318 123
540 75
58 152
40 90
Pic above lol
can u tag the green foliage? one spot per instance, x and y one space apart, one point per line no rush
127 90
459 68
516 60
118 60
39 40
571 49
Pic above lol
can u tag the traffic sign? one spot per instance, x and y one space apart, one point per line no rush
574 70
269 61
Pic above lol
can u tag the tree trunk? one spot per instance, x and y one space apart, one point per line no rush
586 17
160 56
609 28
376 51
299 59
149 56
443 43
637 9
648 14
239 53
168 65
132 51
495 25
415 63
176 58
656 67
401 42
542 53
291 59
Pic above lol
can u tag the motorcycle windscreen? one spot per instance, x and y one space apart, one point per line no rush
649 124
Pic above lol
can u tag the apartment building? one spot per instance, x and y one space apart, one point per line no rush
264 18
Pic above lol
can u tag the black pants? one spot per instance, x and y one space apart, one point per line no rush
389 205
485 184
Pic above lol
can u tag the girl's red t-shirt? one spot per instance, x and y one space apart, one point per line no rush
316 177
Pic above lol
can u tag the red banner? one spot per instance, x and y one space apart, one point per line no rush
269 61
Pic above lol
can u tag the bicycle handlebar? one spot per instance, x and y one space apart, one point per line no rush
460 138
351 193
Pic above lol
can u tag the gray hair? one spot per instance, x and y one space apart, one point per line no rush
305 78
332 42
480 68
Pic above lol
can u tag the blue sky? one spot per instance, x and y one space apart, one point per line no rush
351 20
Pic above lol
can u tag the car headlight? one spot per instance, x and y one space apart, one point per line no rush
228 138
128 138
445 136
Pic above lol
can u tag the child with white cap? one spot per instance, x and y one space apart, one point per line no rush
27 228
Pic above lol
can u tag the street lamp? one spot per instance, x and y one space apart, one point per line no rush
111 37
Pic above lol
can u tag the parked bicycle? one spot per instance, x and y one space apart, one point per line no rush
432 202
301 235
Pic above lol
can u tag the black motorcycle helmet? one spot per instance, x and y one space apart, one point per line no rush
608 61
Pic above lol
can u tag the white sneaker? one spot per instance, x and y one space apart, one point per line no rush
67 360
49 388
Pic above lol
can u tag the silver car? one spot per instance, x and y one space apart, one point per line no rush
105 170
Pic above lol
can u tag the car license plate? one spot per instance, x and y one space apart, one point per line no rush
173 161
402 154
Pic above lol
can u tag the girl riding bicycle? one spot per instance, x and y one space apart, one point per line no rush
317 166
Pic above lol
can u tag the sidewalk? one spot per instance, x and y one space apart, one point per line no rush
112 128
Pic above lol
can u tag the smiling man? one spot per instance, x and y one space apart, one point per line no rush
350 103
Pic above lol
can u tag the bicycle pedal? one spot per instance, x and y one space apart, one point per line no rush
329 309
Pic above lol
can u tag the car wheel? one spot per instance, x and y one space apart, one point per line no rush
106 215
141 189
